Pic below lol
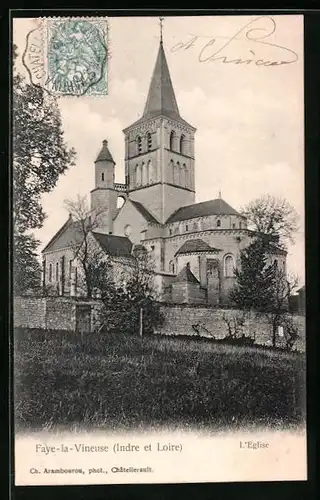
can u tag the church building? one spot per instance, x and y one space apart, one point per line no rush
195 246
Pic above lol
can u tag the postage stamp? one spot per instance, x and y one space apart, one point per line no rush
69 56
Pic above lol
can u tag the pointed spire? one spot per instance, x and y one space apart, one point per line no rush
161 19
161 99
104 154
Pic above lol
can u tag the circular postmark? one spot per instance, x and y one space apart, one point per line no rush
76 58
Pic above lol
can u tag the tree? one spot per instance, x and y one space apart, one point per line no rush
125 286
95 264
132 301
26 267
40 156
274 217
277 312
254 279
265 289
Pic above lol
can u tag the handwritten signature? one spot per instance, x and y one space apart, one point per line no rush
252 33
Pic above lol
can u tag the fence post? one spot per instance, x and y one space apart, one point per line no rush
141 322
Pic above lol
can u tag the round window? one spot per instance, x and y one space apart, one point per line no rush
127 230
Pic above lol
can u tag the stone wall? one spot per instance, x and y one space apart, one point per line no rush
60 314
29 312
52 313
209 322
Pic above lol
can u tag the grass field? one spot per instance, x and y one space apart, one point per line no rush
123 382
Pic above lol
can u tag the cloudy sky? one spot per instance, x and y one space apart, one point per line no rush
249 118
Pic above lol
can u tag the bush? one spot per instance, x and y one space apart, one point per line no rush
239 332
125 318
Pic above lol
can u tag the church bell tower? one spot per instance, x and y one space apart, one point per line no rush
159 149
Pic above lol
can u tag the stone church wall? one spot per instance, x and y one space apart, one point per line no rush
191 293
54 257
130 216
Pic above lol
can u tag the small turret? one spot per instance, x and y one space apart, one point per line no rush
104 168
103 196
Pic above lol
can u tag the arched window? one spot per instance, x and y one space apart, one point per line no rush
50 272
70 269
102 176
139 145
229 266
187 227
120 201
178 173
149 172
144 174
149 141
171 266
240 225
171 171
275 263
172 140
182 144
138 175
185 176
218 223
195 226
57 271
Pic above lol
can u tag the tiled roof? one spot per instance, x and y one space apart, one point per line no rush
186 276
145 212
194 246
71 235
161 99
116 246
211 207
104 154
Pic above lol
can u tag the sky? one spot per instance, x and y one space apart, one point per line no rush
249 117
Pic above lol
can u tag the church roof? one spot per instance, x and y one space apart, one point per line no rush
116 246
161 98
196 245
145 212
104 154
68 235
205 208
186 276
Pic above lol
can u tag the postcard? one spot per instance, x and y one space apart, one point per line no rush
158 249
